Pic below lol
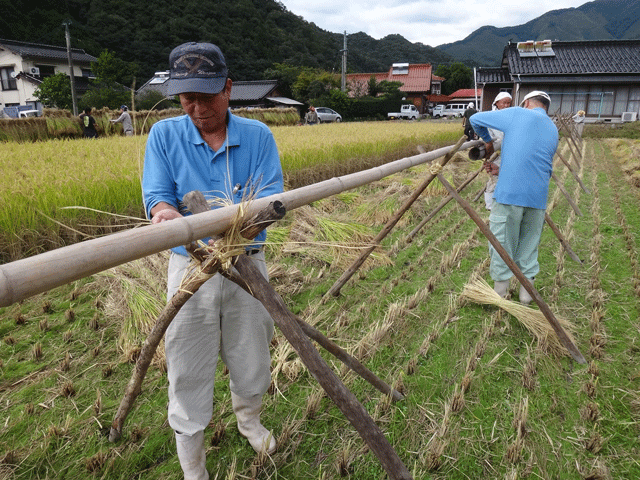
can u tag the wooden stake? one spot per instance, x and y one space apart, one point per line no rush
335 289
575 175
293 329
544 308
566 194
211 266
341 396
442 204
563 240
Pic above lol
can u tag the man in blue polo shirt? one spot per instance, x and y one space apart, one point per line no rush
225 157
520 198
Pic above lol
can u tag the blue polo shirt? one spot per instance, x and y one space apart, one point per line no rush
177 160
529 144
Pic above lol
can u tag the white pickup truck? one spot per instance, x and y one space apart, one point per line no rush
409 112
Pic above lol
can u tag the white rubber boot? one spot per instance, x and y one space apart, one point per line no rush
192 456
501 288
247 412
524 297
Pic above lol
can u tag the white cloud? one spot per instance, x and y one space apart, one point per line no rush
427 21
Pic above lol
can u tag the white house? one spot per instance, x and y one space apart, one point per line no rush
24 65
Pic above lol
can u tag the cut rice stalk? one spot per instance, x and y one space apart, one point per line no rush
479 291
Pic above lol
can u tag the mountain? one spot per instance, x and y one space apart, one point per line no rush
253 34
597 20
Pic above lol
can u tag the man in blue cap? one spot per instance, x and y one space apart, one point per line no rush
226 158
520 198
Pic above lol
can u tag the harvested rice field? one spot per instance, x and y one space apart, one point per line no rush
484 396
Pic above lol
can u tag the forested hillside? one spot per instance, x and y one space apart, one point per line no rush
254 34
597 20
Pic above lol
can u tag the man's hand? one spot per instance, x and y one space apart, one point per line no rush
164 215
491 168
488 149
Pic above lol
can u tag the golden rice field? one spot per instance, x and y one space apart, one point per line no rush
42 180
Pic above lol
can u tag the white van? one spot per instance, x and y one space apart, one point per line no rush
450 110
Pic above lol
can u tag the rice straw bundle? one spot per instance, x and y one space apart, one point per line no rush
479 291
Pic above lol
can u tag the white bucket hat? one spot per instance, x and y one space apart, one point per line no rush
500 96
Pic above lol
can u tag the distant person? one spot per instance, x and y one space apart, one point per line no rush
88 124
468 129
311 118
578 118
125 119
520 198
502 100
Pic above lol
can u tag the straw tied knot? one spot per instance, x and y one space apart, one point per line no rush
435 169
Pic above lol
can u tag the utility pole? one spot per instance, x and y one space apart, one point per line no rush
73 82
344 63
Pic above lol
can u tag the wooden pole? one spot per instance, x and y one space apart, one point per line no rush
208 268
563 241
335 289
252 280
39 273
441 205
341 396
544 308
574 173
566 194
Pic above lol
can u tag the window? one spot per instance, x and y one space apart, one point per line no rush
46 70
8 82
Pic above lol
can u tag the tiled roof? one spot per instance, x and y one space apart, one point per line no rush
435 78
418 79
600 57
492 75
466 93
255 90
50 52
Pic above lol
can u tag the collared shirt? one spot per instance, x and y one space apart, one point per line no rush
529 144
178 161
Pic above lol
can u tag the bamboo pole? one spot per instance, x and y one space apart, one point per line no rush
335 289
39 273
544 308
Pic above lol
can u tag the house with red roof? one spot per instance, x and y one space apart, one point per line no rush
417 79
466 95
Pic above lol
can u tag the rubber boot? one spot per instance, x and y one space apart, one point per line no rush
247 412
501 288
524 297
192 456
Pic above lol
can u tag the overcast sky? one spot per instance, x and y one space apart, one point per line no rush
432 22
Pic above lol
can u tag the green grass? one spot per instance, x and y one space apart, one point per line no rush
581 421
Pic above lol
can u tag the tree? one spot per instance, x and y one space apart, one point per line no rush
55 92
457 76
107 91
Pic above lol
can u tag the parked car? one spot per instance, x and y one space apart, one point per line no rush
450 110
29 113
408 112
325 115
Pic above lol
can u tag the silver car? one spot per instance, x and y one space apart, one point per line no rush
325 115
